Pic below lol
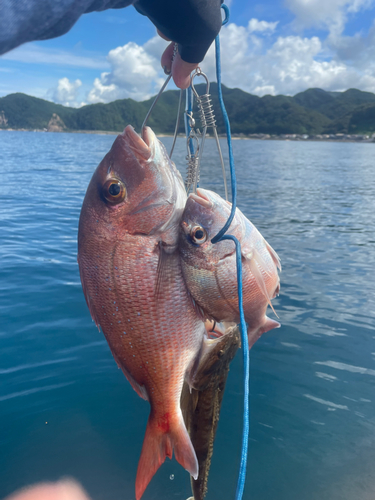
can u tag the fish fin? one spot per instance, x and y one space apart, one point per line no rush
90 305
254 334
139 389
161 438
254 261
161 272
275 257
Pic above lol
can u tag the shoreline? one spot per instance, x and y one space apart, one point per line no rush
358 138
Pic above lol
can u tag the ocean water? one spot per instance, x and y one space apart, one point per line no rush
65 408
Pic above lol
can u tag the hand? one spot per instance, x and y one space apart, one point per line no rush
62 490
180 69
193 24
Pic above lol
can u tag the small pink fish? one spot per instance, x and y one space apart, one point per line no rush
132 280
210 269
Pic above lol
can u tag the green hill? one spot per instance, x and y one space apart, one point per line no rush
313 111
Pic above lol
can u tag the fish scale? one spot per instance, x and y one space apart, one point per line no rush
141 312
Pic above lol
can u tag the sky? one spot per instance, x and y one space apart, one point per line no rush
268 47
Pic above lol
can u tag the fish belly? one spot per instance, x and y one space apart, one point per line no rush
154 338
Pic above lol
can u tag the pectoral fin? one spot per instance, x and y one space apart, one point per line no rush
255 263
254 334
162 273
274 255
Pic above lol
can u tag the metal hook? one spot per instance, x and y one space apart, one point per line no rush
207 118
177 124
199 72
160 91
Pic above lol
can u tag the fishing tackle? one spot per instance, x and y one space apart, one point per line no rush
192 157
175 48
207 119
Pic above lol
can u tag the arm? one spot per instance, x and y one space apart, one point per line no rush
25 21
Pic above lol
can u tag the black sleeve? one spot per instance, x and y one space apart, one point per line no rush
24 21
193 24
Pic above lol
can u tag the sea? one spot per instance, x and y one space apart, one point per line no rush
66 410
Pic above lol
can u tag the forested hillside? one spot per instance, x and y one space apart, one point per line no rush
314 111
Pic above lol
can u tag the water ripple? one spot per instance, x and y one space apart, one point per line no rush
34 391
348 368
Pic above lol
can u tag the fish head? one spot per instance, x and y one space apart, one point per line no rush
204 215
210 269
136 189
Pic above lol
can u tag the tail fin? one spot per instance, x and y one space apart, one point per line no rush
161 438
254 334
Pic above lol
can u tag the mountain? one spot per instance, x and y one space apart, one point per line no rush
334 105
313 111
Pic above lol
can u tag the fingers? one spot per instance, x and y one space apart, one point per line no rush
62 490
181 72
180 69
166 58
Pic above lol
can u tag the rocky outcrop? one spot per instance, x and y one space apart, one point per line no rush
56 124
3 119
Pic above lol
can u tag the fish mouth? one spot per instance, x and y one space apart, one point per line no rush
201 198
142 146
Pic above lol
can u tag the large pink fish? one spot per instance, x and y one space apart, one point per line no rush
210 269
133 284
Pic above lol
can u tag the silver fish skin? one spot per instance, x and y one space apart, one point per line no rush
210 270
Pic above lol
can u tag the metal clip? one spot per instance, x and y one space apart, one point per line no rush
192 172
207 119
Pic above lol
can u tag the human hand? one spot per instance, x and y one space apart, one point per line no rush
180 69
62 490
192 24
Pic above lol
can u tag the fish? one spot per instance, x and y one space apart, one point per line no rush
201 400
210 270
133 284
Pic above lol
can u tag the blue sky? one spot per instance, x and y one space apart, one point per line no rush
269 47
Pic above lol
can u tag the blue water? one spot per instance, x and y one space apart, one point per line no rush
65 408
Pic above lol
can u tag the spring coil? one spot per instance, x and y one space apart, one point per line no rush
206 111
191 170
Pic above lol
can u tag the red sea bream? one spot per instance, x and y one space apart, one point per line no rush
132 280
210 269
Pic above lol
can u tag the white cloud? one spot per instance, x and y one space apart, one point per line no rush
135 73
258 64
66 92
329 14
289 64
261 26
34 54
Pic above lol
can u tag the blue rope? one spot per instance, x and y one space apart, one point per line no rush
246 367
222 236
229 137
189 109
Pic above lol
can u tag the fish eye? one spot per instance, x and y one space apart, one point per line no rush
198 235
114 191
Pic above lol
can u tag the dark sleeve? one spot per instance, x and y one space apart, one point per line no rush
193 24
29 20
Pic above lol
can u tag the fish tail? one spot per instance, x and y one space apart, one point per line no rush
163 435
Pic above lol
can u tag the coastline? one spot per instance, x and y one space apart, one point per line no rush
359 138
